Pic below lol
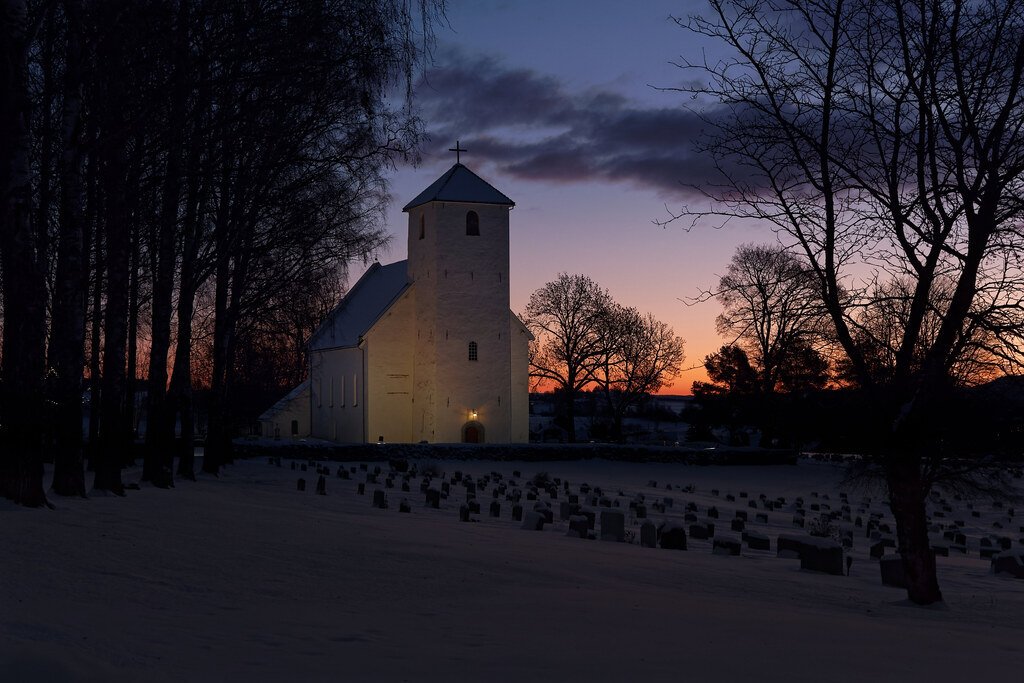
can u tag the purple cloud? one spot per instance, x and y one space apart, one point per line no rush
531 126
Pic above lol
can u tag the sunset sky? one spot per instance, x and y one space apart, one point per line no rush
557 103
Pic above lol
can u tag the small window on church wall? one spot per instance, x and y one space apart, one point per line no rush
423 227
472 351
472 224
355 390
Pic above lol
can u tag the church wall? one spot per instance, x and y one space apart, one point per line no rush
466 278
422 272
390 351
337 394
520 427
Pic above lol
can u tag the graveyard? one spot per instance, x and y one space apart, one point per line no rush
485 570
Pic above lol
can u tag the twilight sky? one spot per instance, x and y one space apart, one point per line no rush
557 105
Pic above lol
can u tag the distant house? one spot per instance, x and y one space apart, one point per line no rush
427 349
289 417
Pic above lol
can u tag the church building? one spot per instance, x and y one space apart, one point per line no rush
427 349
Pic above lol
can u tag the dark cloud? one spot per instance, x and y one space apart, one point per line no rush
531 126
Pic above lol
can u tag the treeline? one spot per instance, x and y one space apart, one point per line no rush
183 184
585 340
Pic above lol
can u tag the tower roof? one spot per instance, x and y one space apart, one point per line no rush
459 184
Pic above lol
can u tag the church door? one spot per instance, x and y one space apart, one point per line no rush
473 432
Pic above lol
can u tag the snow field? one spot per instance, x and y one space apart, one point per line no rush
245 577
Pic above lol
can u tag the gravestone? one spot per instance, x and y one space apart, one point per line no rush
1009 562
724 545
379 501
321 486
517 512
673 536
891 567
591 517
533 521
737 525
495 509
579 526
613 525
699 532
360 488
463 513
648 535
546 512
822 555
403 506
755 540
433 498
301 484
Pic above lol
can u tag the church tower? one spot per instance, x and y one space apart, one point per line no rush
464 354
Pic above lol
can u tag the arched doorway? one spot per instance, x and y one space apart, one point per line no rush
472 432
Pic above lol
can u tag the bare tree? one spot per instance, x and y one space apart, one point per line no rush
642 355
771 309
883 137
23 268
567 318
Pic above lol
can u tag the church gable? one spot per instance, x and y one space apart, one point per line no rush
361 307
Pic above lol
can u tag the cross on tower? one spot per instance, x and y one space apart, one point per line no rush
458 150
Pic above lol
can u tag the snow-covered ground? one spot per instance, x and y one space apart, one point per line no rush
246 578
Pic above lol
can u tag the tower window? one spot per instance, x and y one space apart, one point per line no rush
423 227
473 224
472 351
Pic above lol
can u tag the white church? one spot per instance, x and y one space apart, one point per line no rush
424 349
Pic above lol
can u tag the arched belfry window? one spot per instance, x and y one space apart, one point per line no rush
472 224
423 227
472 351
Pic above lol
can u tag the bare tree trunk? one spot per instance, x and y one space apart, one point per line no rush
24 288
114 434
132 371
908 492
158 463
67 341
96 340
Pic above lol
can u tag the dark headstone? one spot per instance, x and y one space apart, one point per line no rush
613 525
648 534
673 536
755 540
301 484
379 501
533 521
495 509
891 567
321 485
578 526
725 546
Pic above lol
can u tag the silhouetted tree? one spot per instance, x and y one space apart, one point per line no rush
641 355
772 310
887 136
23 267
567 318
